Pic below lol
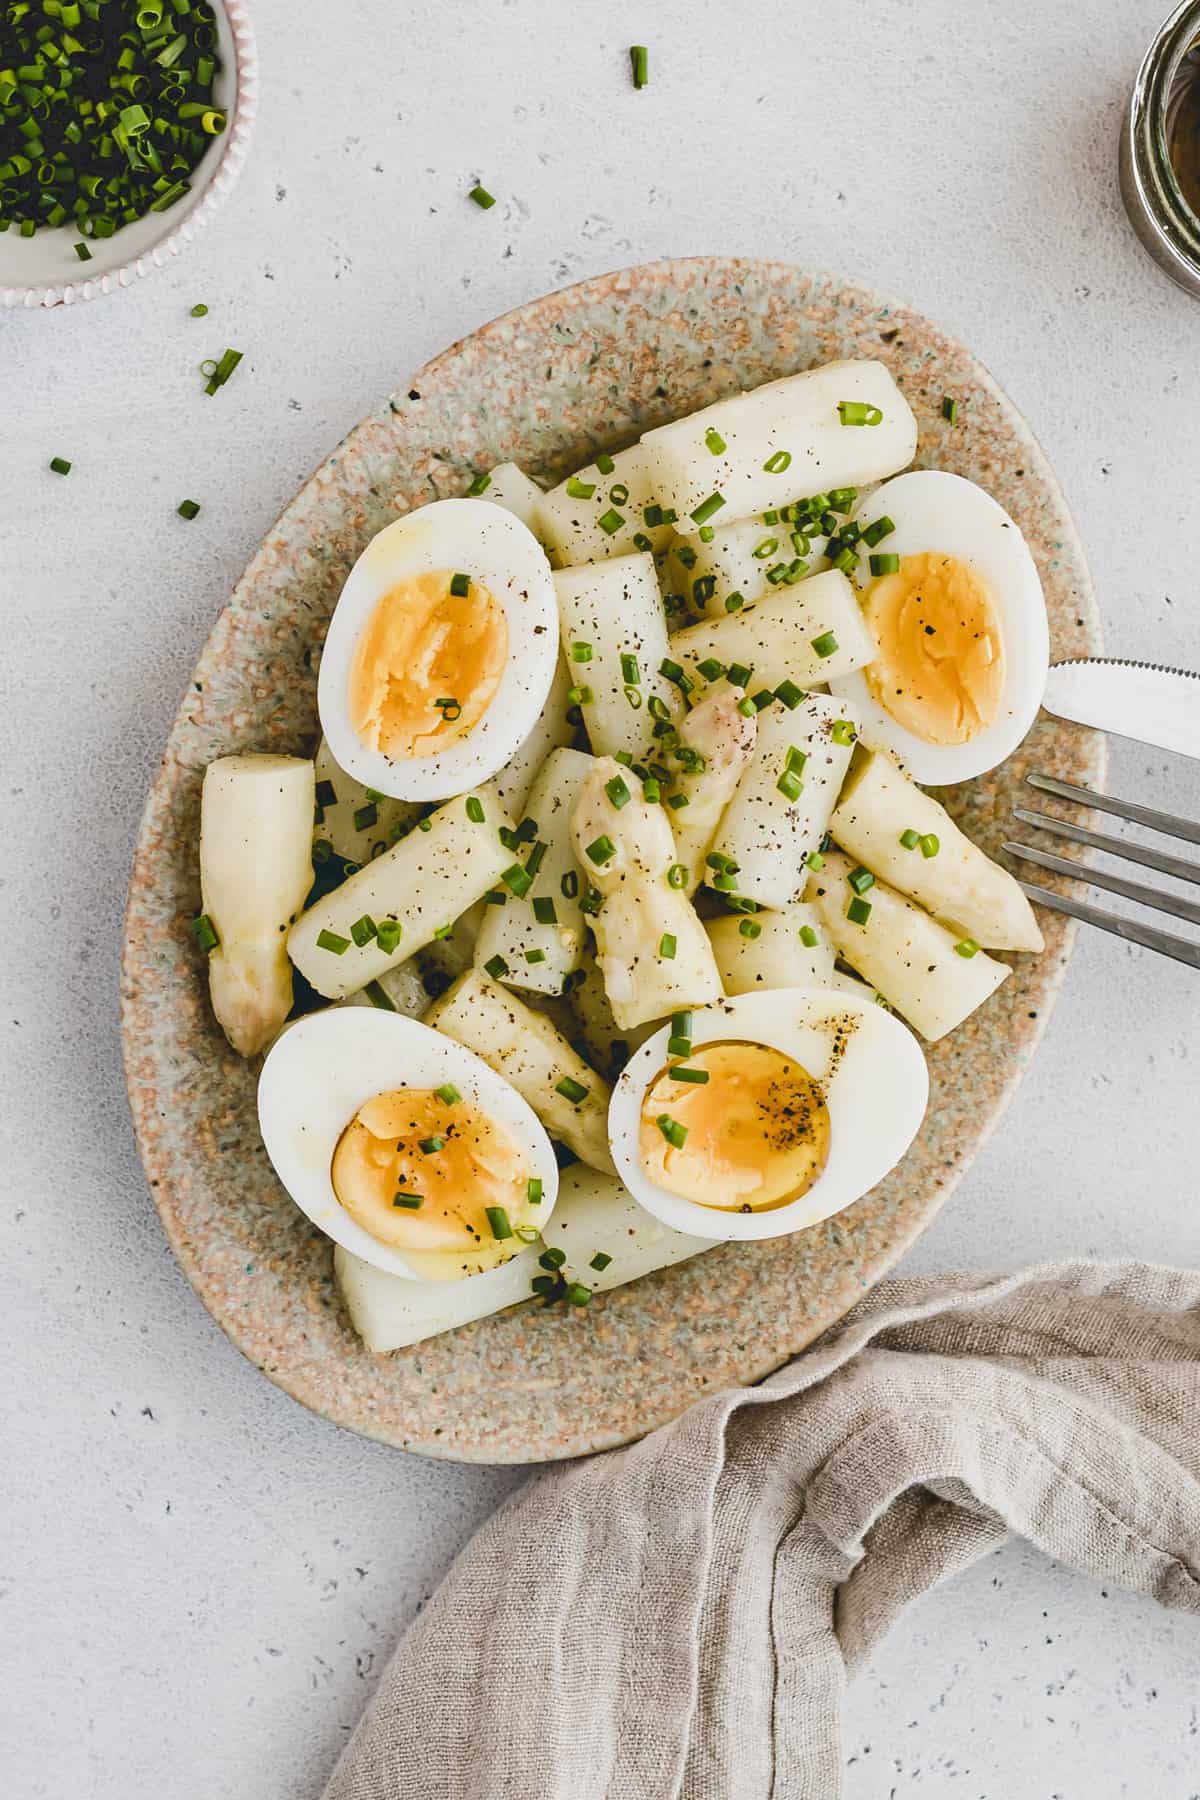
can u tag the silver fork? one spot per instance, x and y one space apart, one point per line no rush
1149 936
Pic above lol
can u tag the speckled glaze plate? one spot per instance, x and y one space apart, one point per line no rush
586 369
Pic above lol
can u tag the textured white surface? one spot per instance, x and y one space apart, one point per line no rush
200 1581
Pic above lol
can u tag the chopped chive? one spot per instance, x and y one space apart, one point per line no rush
762 699
571 1090
930 844
187 509
82 252
581 653
790 785
449 707
528 1234
765 547
857 412
711 669
677 801
747 707
877 531
533 1191
517 879
618 493
388 934
610 522
460 585
638 61
431 1145
790 694
494 897
481 197
842 732
60 465
657 707
601 850
715 442
552 1259
580 696
846 560
814 861
366 816
667 947
696 1077
475 809
749 928
826 644
673 673
885 564
654 515
910 838
580 490
480 485
738 675
591 901
498 1219
535 956
605 463
617 792
672 1130
329 940
205 933
363 930
600 1261
861 879
326 794
808 937
776 464
577 1293
543 910
448 1094
967 948
734 602
703 589
226 364
569 885
841 499
725 865
702 513
443 931
652 790
677 875
950 412
630 673
199 311
858 911
496 967
410 1202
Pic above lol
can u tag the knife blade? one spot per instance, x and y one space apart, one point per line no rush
1146 701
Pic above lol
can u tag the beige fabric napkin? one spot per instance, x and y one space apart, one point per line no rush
678 1618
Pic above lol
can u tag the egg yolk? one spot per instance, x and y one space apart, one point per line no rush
755 1134
427 665
442 1183
940 667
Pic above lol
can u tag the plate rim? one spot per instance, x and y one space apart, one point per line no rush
602 286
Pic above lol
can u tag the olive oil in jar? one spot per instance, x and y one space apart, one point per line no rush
1183 127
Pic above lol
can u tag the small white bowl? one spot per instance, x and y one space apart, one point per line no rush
802 1023
44 270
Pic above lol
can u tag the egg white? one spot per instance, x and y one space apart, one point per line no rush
498 551
876 1096
324 1067
934 511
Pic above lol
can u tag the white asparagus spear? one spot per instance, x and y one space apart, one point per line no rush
808 633
768 830
420 886
618 494
734 562
772 950
354 820
596 1216
914 962
527 1048
510 487
958 883
256 820
781 442
652 950
614 640
724 736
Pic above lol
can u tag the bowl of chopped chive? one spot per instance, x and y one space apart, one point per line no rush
123 126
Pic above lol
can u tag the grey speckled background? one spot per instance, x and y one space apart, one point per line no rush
199 1581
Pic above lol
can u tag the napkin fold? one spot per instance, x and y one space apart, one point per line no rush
678 1618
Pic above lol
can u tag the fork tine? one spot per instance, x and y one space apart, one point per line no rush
1129 929
1167 823
1174 904
1177 866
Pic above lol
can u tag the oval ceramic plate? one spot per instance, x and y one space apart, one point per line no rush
548 386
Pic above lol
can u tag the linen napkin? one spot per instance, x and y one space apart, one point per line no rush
678 1618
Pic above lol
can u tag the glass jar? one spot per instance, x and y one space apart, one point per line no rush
1164 218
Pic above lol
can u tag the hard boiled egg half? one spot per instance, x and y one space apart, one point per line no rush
952 597
402 1146
440 652
768 1112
